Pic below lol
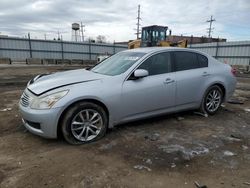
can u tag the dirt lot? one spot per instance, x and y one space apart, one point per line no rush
169 151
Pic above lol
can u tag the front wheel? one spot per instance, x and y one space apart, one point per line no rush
84 122
212 100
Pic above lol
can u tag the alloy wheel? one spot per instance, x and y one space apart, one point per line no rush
213 100
86 125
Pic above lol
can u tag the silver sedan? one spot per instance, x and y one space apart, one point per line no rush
130 85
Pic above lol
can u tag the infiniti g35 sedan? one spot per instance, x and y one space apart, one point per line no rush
130 85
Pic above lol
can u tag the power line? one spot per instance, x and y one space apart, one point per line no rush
138 22
193 32
210 26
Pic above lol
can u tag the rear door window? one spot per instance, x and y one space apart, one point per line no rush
185 61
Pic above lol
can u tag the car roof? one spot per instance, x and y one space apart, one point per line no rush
158 49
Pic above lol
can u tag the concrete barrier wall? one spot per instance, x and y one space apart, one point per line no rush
5 61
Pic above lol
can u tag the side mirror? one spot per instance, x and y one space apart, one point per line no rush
140 73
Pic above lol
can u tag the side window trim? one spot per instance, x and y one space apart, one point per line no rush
173 63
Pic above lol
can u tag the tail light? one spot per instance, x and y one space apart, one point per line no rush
233 71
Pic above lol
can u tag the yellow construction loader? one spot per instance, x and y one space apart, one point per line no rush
155 35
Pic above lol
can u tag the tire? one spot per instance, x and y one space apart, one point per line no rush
84 122
212 100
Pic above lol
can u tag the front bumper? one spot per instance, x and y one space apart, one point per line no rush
41 122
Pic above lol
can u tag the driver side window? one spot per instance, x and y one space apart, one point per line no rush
157 64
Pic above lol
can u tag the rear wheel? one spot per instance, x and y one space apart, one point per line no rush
84 122
212 100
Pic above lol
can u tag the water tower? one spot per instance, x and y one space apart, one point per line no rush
75 32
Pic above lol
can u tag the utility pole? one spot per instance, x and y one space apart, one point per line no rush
210 26
30 48
138 22
82 26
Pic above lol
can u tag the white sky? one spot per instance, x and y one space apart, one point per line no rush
116 19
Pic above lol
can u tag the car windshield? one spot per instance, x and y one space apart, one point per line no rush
117 63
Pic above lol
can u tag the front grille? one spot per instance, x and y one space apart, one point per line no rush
25 100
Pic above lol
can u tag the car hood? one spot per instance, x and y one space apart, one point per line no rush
44 83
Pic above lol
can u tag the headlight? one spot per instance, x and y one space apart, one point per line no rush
47 101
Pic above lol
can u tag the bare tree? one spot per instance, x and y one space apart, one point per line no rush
101 39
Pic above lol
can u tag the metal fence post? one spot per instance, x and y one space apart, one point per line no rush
89 49
191 41
248 67
0 50
114 48
30 48
216 50
62 50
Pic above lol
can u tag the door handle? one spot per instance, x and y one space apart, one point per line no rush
205 74
168 81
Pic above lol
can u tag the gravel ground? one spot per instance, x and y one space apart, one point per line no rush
168 151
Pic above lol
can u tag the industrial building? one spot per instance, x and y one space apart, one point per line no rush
193 39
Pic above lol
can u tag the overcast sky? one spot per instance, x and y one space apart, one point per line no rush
116 19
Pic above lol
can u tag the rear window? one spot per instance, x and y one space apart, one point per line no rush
203 61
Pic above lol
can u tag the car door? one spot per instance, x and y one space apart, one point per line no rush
191 73
152 93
